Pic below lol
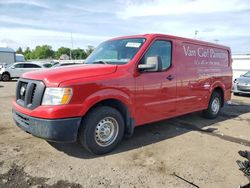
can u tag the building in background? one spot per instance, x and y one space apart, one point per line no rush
7 55
241 64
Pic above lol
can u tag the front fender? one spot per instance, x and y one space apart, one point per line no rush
106 94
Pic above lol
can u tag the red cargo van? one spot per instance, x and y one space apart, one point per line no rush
126 82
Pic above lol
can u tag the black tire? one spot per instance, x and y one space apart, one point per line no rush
6 77
236 94
93 126
213 111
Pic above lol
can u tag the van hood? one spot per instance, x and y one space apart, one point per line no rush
54 76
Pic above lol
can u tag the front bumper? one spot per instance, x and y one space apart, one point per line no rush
241 89
57 130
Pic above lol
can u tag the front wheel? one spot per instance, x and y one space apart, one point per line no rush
6 77
236 94
102 130
214 106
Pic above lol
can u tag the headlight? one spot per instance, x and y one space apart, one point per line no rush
57 96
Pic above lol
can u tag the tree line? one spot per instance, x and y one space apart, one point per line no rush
46 52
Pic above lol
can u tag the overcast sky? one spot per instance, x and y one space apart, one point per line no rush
36 22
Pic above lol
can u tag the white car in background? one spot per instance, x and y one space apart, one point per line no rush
15 70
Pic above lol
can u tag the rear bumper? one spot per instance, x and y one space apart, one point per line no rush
57 130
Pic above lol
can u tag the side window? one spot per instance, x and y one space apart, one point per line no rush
29 65
163 49
19 65
35 66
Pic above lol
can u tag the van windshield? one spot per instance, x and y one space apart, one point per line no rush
116 52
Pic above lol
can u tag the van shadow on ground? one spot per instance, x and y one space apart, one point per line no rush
156 132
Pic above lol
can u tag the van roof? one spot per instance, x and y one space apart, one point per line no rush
154 35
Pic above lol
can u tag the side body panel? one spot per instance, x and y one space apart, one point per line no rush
201 69
15 72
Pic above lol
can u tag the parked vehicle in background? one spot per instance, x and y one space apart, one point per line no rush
241 85
64 64
15 70
124 83
20 58
240 65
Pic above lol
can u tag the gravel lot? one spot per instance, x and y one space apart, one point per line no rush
188 151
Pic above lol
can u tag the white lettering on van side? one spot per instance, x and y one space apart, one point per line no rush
203 52
219 55
189 52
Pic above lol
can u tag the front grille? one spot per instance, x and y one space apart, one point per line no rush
29 93
33 94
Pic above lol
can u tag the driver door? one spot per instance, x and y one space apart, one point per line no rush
156 90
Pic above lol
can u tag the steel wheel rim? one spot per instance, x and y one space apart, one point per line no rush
106 131
215 105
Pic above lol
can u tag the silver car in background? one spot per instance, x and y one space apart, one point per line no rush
15 70
241 85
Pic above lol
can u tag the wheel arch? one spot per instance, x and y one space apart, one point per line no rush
6 72
118 100
221 92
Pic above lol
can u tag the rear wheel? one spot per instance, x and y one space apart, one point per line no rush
5 77
214 106
102 129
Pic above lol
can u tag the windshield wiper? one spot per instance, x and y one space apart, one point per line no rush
100 62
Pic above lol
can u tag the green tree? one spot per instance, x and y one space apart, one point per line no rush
43 52
27 53
78 54
46 52
19 50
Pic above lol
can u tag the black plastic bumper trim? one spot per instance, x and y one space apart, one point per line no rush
55 130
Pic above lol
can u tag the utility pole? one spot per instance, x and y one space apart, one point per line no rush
71 45
196 33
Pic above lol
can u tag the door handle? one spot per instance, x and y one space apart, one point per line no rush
170 77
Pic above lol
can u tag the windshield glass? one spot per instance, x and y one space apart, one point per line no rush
116 52
247 74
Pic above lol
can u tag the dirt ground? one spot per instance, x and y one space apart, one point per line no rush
188 151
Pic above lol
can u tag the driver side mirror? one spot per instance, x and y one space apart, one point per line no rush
151 64
12 67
